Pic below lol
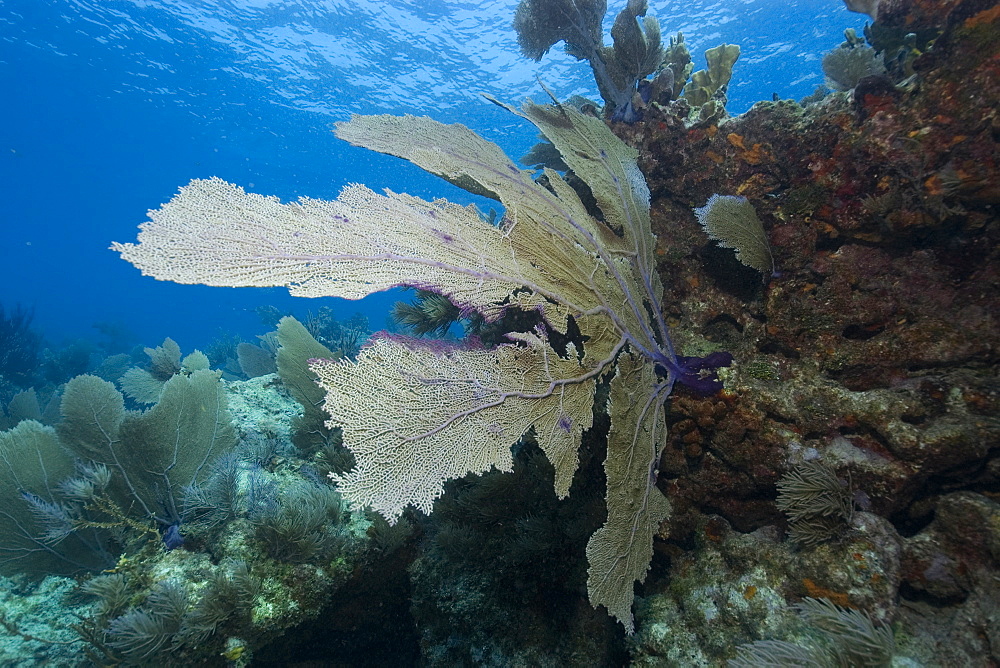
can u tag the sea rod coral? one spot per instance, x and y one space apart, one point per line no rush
416 413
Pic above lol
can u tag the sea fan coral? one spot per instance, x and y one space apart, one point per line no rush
446 409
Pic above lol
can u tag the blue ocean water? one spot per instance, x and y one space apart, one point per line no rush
108 106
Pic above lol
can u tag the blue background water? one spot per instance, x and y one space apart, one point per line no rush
108 106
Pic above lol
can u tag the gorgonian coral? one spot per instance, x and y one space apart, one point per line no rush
415 414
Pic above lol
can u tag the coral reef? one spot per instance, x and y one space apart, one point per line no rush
876 349
196 532
730 588
104 477
37 623
949 572
863 397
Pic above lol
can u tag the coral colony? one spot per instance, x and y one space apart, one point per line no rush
446 410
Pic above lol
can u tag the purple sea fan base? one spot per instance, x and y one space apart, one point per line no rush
698 373
172 537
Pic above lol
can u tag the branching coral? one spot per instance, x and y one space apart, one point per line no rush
429 313
818 504
845 637
301 525
143 632
173 621
19 344
636 53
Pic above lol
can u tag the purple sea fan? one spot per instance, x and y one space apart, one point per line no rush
444 411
